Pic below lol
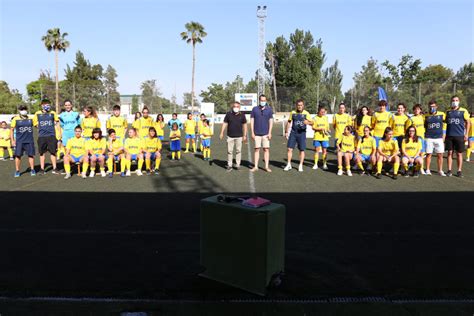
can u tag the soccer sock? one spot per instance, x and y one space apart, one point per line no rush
418 167
324 158
140 164
316 158
395 167
58 153
468 153
339 167
129 164
123 165
102 169
67 168
187 146
110 164
379 167
348 167
405 166
148 164
179 154
194 147
85 165
200 147
209 153
10 152
173 154
361 166
2 152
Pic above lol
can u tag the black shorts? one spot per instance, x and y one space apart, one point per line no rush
47 144
455 143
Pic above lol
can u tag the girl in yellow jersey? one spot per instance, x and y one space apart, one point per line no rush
200 125
143 124
411 152
76 152
346 147
190 131
115 151
160 127
206 134
399 123
418 120
381 120
175 142
117 123
89 122
321 137
96 148
133 151
470 147
151 147
340 121
362 120
388 152
366 151
5 142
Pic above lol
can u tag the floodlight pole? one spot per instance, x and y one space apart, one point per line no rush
261 15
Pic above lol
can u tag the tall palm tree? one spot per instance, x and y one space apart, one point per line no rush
54 40
194 34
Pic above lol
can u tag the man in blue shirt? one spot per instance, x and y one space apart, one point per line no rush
261 124
21 136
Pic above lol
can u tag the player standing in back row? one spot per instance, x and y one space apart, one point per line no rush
21 134
457 127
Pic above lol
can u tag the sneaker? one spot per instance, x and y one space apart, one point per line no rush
68 176
449 173
459 174
186 151
325 167
55 171
467 159
395 176
210 161
300 168
416 174
441 173
422 171
17 174
157 171
339 172
2 159
11 158
287 168
237 168
349 173
92 174
377 176
229 169
139 173
128 174
83 175
148 172
41 172
428 172
33 173
103 174
362 173
122 174
315 167
111 174
405 174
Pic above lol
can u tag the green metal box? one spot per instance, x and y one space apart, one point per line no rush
240 246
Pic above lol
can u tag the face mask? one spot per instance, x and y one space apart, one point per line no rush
433 110
263 103
455 104
236 110
23 112
47 108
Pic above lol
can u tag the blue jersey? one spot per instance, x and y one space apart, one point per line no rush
45 122
434 125
177 121
455 122
23 130
69 120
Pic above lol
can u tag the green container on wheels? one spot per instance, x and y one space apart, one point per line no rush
241 246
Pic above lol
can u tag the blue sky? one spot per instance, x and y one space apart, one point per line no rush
140 38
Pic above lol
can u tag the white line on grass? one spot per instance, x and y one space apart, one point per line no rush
251 177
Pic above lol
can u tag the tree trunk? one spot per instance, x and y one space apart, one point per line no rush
192 85
57 81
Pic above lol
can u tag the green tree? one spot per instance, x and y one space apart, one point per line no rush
151 96
41 88
193 35
217 94
54 40
366 83
436 84
188 101
331 85
134 103
9 99
110 85
465 85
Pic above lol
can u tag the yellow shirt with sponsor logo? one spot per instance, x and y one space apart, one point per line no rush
380 121
115 146
206 132
151 145
200 126
367 147
88 124
5 137
143 126
321 122
340 121
389 147
133 145
160 128
175 135
399 124
96 146
366 121
411 148
119 124
347 143
76 146
419 122
471 128
190 127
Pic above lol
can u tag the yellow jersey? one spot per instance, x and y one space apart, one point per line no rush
200 126
5 137
175 135
321 122
119 124
366 121
380 121
151 145
389 147
471 128
96 146
76 146
206 132
412 149
88 124
143 126
399 124
190 127
347 143
160 128
340 121
133 145
419 122
367 147
115 146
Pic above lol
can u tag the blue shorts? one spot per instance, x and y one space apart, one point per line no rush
399 140
423 144
414 158
97 155
377 141
116 157
175 145
86 138
297 139
152 156
76 159
28 148
365 158
190 136
66 136
321 143
134 157
162 138
206 142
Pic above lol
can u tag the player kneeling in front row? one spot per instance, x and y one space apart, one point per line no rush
388 152
115 147
366 152
133 151
75 151
411 152
151 147
96 148
345 150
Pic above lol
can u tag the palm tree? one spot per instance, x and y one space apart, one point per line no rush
54 40
194 34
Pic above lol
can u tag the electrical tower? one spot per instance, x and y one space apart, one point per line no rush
261 15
